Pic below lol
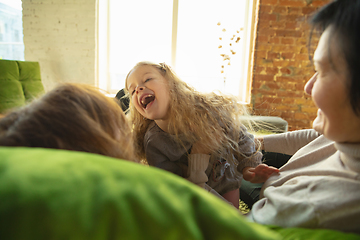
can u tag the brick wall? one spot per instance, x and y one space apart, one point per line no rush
61 36
281 61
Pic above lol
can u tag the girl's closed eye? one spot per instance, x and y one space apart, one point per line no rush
148 79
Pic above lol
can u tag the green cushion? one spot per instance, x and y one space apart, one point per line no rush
20 82
30 79
58 194
11 92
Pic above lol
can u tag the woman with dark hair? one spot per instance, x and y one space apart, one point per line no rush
72 117
319 187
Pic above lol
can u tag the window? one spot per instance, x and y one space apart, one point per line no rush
208 43
11 32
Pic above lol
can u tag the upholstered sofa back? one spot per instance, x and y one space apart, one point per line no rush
20 81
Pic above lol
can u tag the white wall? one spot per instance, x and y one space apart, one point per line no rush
61 36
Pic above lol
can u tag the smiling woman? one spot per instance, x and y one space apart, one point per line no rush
319 187
329 88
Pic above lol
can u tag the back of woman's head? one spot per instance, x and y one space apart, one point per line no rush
343 17
73 117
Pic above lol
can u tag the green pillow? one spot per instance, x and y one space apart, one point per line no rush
20 82
58 194
11 91
30 79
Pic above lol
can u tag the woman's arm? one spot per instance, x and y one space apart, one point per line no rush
289 142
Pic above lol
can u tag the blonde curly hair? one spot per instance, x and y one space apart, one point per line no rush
213 119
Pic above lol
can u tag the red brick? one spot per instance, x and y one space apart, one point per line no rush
258 69
295 11
286 70
287 115
260 54
308 109
288 101
301 101
290 18
269 2
259 77
308 10
303 57
280 63
287 55
288 33
263 105
287 107
266 92
277 25
292 25
298 64
262 62
263 46
266 32
302 124
273 55
272 100
263 25
302 41
284 79
287 41
304 50
312 116
266 9
302 116
292 3
274 40
256 85
272 70
319 3
262 39
300 87
272 85
267 17
281 10
289 93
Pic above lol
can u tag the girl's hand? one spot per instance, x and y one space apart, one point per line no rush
259 174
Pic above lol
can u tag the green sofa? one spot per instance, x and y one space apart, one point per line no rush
20 81
59 194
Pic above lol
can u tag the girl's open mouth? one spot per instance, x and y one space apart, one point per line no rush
146 100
